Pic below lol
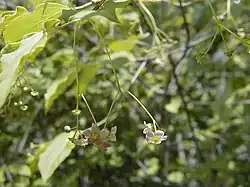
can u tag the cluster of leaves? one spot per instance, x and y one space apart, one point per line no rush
186 61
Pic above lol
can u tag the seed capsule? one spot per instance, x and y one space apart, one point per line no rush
24 107
34 93
67 128
25 88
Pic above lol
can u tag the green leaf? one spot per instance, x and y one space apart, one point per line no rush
2 177
86 75
57 88
37 2
63 56
4 13
174 105
16 29
19 169
118 58
58 150
123 45
108 11
176 177
33 160
9 17
13 62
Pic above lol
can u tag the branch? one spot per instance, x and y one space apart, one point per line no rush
179 87
185 106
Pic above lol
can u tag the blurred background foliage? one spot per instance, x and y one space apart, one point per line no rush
201 99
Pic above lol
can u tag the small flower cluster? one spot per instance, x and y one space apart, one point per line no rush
153 136
99 137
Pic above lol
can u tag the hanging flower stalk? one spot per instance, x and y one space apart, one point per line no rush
153 134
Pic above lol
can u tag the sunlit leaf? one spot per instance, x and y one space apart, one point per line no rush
174 105
118 58
10 16
58 150
176 177
2 177
17 28
13 62
123 45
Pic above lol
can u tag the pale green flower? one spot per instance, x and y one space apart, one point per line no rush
81 142
86 133
155 137
112 135
104 133
149 127
95 131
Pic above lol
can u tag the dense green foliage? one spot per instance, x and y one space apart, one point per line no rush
185 61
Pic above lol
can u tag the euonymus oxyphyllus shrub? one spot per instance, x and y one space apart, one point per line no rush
99 69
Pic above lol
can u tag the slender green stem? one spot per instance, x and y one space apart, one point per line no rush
77 80
110 109
76 68
228 9
86 5
210 44
109 56
213 11
45 6
114 71
149 18
222 36
46 19
90 111
138 101
222 26
228 30
218 23
99 4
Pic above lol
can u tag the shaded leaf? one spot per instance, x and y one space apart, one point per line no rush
33 160
87 73
108 11
57 88
19 169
